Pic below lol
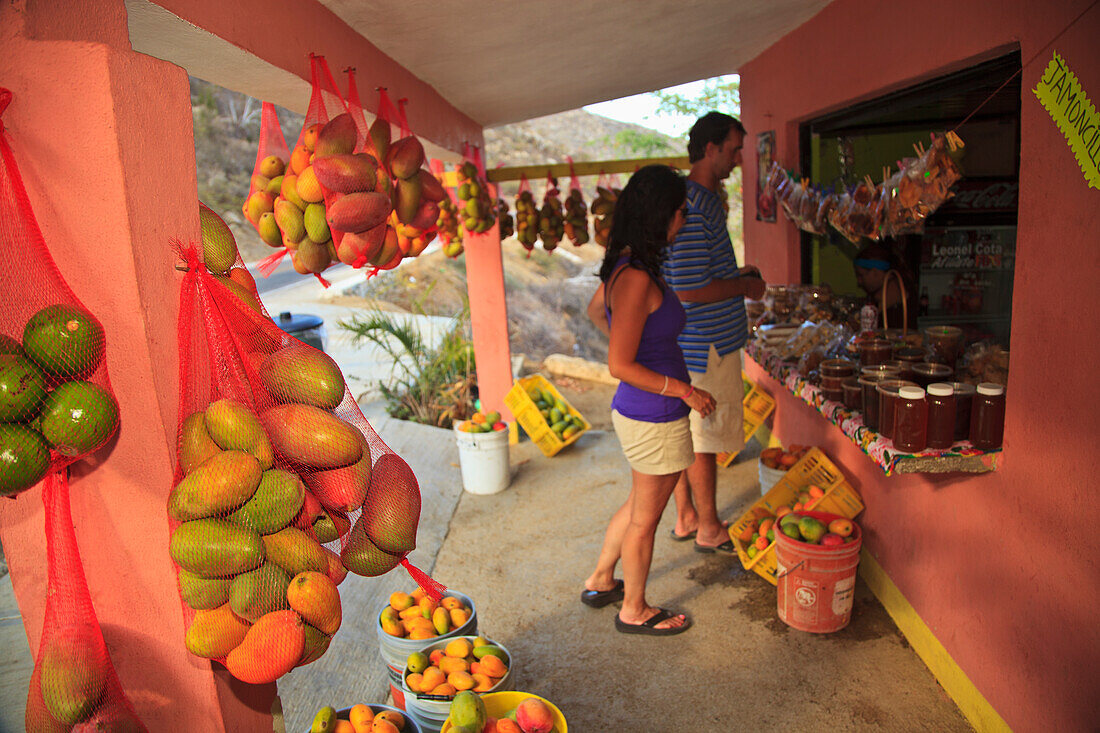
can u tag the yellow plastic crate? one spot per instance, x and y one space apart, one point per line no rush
531 420
755 407
814 468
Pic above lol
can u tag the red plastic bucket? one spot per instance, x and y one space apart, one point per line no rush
398 696
816 583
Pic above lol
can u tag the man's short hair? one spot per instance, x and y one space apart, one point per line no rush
713 127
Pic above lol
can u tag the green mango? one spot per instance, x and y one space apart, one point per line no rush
362 557
277 500
555 415
490 649
467 712
316 645
560 404
331 526
195 443
325 719
221 484
294 551
259 591
559 426
203 594
299 373
233 427
72 673
213 548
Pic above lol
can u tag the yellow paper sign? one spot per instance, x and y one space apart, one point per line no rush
1061 94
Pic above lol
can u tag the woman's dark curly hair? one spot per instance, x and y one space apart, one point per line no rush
642 215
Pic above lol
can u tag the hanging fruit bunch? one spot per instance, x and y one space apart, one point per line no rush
507 226
450 231
475 206
603 210
551 216
527 216
576 218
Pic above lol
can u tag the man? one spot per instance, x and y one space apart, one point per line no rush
702 269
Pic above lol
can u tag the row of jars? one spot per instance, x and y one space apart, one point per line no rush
943 344
923 412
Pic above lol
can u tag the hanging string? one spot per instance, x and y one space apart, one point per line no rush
1026 64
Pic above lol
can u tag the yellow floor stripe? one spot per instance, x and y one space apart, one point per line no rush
954 681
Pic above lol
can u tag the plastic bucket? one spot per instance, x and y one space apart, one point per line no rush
410 726
769 477
497 705
434 710
484 460
395 650
816 583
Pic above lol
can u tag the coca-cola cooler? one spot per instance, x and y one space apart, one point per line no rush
968 256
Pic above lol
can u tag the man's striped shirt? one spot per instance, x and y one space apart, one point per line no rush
703 251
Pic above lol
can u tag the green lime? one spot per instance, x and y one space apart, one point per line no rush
22 388
8 345
24 458
78 417
65 341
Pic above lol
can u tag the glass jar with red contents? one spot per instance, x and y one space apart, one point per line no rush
868 384
964 400
874 351
941 415
910 420
987 417
887 404
927 372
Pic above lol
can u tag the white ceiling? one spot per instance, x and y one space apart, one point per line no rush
501 62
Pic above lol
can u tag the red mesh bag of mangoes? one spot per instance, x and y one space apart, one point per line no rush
281 485
56 406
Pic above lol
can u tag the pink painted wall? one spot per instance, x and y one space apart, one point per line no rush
1004 568
290 31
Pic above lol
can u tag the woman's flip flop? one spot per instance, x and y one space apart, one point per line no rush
682 537
649 626
600 598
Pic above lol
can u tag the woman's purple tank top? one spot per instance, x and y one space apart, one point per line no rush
659 351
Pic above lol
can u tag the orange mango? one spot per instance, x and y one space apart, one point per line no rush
482 682
433 677
458 648
421 634
215 633
459 616
361 716
461 680
450 602
270 649
316 600
444 690
393 717
381 725
415 681
450 665
493 666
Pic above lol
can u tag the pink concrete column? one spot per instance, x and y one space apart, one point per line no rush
104 142
489 317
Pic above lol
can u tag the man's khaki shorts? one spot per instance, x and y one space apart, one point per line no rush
654 448
722 431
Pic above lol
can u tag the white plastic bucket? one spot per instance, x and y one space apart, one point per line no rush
484 460
769 477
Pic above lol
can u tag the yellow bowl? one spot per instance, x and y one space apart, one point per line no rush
499 703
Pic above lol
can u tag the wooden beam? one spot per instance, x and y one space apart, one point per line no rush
581 168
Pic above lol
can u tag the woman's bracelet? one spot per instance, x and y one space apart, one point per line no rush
691 389
664 387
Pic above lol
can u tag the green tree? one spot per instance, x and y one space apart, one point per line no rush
721 93
645 143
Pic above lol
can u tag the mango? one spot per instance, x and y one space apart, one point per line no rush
221 484
430 187
441 620
358 212
343 489
258 203
346 173
311 437
195 443
289 191
315 223
294 551
316 645
356 248
268 229
335 569
299 373
37 718
425 218
408 199
203 594
391 510
259 591
316 600
308 187
405 157
311 257
219 250
241 293
233 427
362 557
384 185
213 634
73 662
324 721
467 713
331 526
380 138
270 649
213 548
275 503
275 186
490 650
310 134
290 219
390 255
533 716
272 165
337 137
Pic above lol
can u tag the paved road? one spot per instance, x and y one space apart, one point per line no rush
286 276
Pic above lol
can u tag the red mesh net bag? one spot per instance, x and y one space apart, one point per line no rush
417 192
74 685
301 210
551 216
268 174
475 205
576 211
56 402
281 487
527 215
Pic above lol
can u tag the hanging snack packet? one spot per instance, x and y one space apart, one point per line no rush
56 402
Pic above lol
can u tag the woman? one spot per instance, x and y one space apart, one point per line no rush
642 316
871 265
